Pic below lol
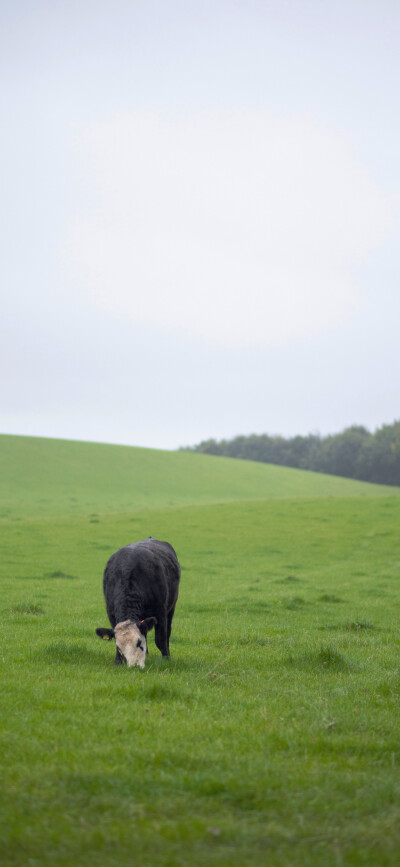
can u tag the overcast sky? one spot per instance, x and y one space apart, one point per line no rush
199 217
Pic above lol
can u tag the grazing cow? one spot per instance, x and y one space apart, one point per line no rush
141 584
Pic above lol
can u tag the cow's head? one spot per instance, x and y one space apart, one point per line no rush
130 638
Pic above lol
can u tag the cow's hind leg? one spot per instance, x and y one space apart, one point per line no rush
169 622
161 637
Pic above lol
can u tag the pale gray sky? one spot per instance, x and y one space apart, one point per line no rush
200 217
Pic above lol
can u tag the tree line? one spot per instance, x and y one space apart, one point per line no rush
355 452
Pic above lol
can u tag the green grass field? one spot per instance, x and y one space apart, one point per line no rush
271 736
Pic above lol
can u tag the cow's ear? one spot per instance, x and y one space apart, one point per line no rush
146 625
107 634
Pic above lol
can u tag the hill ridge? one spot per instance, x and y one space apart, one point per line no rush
53 476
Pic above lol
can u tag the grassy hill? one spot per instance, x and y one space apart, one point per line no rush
52 477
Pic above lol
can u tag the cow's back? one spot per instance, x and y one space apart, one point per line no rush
144 575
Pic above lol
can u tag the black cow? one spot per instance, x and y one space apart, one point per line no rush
141 584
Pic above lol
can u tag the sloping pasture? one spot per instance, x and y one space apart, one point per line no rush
270 736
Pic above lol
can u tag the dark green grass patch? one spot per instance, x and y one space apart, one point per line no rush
294 603
290 579
351 626
58 573
325 658
26 608
330 597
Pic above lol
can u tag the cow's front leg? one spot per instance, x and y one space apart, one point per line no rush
118 658
161 637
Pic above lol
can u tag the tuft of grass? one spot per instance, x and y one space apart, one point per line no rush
349 626
27 608
288 580
59 574
329 657
294 603
320 659
358 625
330 597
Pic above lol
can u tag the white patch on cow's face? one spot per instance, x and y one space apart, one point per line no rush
131 643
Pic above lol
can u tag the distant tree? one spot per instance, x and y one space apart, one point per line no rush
382 458
355 453
341 454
